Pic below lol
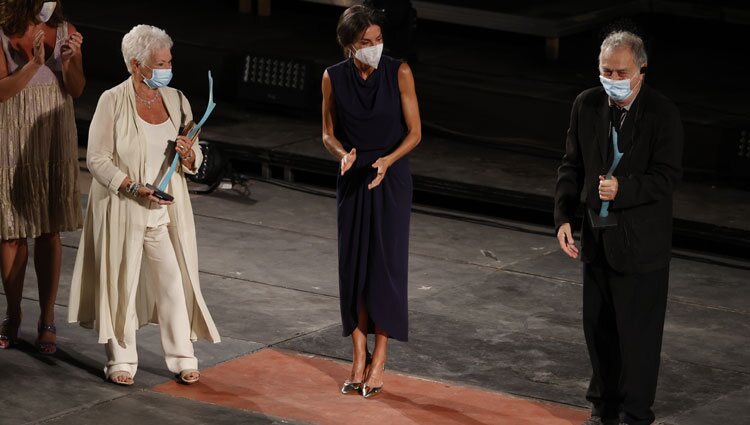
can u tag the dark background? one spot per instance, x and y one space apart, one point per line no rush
474 83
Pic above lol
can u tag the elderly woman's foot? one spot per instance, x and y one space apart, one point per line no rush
121 378
189 376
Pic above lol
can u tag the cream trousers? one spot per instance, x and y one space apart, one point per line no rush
161 263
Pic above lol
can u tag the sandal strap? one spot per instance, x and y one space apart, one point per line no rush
119 373
7 326
7 321
49 328
184 373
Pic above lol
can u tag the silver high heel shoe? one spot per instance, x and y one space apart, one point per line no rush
349 387
368 391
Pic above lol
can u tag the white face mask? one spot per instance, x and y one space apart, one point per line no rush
370 55
48 8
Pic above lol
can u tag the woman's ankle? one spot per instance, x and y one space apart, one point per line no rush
47 319
14 314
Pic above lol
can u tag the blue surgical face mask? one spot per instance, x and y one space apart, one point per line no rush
159 77
618 90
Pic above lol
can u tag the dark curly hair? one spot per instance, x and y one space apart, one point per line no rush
16 15
354 21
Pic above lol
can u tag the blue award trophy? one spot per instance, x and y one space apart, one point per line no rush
191 131
603 219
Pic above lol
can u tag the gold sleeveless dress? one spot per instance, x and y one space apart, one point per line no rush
38 152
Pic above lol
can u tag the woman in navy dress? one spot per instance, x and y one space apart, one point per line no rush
370 123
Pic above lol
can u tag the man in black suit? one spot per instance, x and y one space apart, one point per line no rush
626 257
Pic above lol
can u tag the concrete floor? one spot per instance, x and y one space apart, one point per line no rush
491 308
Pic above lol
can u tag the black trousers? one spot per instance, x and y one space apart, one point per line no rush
623 321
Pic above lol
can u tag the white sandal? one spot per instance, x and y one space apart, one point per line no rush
184 374
114 375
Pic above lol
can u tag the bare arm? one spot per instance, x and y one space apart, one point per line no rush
332 144
12 84
72 64
410 108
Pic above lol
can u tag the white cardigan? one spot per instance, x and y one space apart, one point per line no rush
107 280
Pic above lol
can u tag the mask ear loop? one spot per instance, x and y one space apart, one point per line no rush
143 77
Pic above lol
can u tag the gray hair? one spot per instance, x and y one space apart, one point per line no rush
141 41
627 39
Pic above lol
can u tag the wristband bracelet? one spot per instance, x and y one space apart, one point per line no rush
132 189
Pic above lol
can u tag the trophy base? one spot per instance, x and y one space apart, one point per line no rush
164 196
599 222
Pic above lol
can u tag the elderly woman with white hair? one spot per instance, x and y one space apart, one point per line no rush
137 261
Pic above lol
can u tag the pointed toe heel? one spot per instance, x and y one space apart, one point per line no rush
368 392
350 387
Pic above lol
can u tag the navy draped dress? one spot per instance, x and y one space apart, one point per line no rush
373 225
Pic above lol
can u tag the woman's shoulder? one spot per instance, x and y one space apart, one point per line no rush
337 68
118 90
175 96
115 95
391 61
172 92
392 67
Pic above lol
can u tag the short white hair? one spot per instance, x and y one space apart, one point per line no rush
141 42
627 39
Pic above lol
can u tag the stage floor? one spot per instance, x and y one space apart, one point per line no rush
495 332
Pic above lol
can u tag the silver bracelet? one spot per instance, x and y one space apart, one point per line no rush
132 189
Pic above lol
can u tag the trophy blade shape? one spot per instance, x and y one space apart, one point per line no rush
192 131
604 219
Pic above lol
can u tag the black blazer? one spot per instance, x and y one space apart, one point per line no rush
651 139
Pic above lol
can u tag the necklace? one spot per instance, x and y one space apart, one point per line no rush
148 102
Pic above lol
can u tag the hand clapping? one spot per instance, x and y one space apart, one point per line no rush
348 160
37 49
382 166
72 46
